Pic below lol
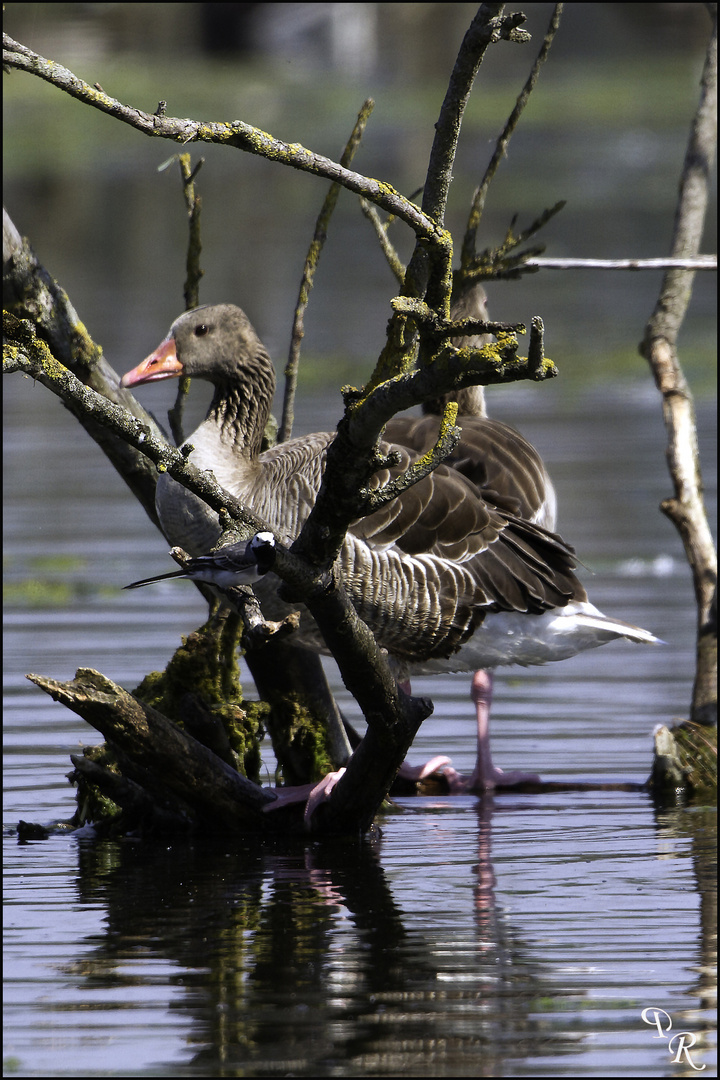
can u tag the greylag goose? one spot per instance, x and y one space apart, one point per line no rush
508 472
447 579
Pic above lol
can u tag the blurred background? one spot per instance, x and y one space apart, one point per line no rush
606 130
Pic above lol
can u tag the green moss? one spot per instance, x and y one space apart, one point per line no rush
685 764
85 350
299 737
92 805
205 668
697 750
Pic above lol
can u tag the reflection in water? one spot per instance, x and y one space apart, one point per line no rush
316 959
304 957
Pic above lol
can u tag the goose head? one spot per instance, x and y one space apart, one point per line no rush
217 343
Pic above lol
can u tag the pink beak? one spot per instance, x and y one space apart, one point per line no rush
162 364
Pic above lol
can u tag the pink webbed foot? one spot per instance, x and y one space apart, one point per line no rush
321 793
486 781
415 773
310 794
485 776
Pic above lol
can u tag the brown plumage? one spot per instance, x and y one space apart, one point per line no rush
450 577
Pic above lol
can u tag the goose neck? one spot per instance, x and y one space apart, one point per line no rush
239 413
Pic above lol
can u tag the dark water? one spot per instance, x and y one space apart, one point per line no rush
510 936
552 935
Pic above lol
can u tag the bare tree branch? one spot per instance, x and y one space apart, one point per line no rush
696 262
308 274
686 509
193 205
381 231
478 200
429 273
237 134
487 27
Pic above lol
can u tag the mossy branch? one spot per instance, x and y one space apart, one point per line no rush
237 134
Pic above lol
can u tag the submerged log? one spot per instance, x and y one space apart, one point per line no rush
162 777
684 763
187 778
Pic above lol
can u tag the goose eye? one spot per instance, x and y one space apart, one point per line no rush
202 330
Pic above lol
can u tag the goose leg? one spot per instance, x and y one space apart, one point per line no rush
485 775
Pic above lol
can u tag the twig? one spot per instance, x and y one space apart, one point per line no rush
193 204
429 273
447 440
381 231
488 26
443 328
483 30
308 275
697 262
478 200
686 509
499 263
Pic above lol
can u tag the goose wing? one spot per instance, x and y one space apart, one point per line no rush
425 570
494 457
